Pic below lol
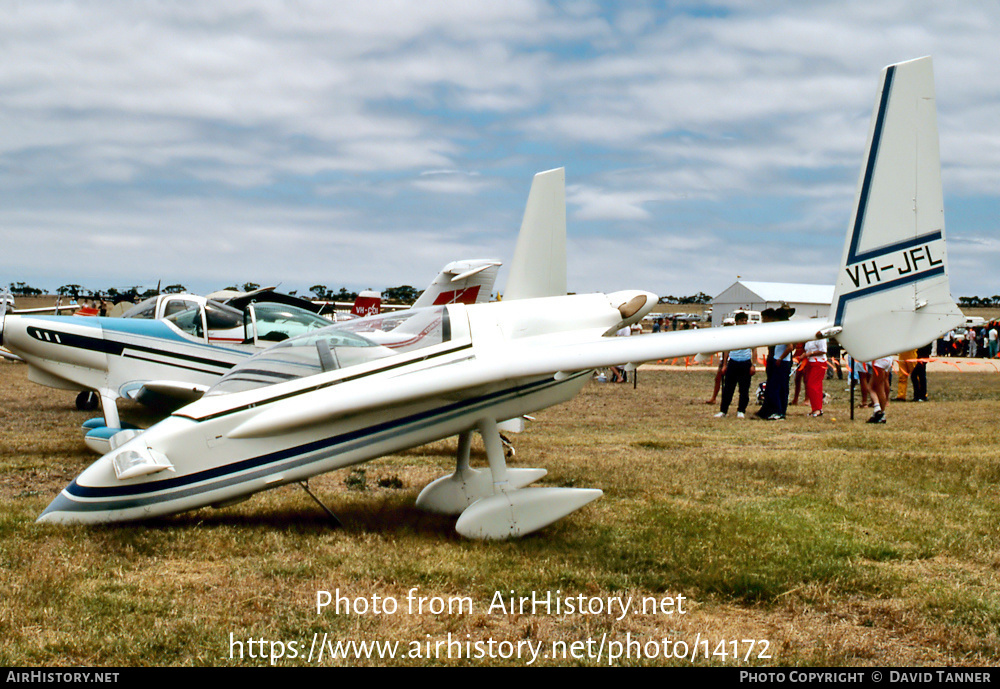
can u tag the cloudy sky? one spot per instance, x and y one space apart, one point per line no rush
366 144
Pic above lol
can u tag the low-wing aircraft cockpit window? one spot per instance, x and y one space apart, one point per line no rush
178 305
144 309
278 322
341 346
188 321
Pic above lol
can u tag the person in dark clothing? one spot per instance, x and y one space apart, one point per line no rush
738 369
779 369
919 374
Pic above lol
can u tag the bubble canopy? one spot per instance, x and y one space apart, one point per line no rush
346 345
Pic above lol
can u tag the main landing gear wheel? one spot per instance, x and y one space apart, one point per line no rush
87 400
493 503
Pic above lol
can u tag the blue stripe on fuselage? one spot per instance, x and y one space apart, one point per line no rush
151 337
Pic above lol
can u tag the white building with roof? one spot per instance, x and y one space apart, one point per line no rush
807 300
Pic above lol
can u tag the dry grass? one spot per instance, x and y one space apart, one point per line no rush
839 543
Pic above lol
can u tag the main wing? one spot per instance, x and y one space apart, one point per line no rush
519 360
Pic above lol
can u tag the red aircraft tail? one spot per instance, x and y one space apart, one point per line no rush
368 303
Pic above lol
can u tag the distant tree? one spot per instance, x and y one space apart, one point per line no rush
979 301
70 290
250 286
151 292
344 295
700 298
174 289
118 296
320 292
293 293
22 289
404 294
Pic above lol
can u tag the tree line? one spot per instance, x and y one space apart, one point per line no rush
403 294
700 298
979 301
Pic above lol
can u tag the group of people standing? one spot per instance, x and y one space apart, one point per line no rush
976 342
737 368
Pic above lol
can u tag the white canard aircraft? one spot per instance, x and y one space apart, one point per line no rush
362 389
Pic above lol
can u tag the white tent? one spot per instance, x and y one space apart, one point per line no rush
807 300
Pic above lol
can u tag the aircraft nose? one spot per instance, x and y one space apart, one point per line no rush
11 328
7 330
62 510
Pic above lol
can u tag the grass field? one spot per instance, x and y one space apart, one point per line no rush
835 542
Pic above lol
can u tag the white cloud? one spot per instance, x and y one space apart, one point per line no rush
264 130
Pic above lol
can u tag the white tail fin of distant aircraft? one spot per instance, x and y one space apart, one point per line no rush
892 291
539 265
461 282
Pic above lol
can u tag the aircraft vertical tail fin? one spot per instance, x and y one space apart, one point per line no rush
892 291
539 265
367 303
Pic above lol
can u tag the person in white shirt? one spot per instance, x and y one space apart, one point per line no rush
618 374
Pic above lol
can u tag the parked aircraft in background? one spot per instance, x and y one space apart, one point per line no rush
469 281
168 349
368 303
461 282
358 390
164 353
7 305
